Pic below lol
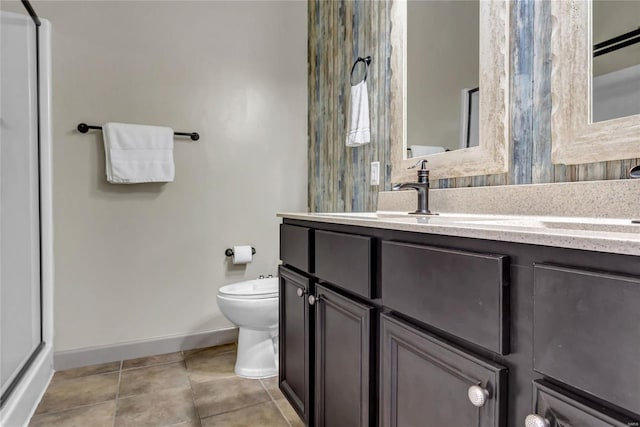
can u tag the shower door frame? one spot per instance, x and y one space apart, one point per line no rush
4 397
19 400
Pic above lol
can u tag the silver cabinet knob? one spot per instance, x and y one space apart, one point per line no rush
478 396
299 292
535 420
312 300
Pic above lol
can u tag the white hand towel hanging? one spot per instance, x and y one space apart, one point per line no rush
359 131
138 153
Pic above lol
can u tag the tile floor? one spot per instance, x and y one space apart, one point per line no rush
190 388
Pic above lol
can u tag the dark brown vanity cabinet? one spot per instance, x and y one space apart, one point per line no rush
295 339
427 382
326 338
400 329
343 351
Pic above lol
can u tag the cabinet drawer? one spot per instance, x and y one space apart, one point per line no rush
557 408
345 260
587 332
295 244
427 382
462 293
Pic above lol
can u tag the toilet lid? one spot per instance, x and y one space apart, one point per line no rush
251 289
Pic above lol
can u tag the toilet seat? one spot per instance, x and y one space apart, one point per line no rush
251 289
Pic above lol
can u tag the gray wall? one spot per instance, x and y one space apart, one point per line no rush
144 261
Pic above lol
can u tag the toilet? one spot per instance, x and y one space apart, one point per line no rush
253 306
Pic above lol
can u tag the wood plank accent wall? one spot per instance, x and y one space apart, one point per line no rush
341 30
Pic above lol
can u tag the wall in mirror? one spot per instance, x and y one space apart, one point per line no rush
442 63
616 59
341 30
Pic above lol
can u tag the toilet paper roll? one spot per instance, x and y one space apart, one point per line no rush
242 254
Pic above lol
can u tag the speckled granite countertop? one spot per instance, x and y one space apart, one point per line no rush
592 234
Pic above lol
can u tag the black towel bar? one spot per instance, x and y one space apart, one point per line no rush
84 128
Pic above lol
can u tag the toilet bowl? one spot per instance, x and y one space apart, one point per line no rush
253 307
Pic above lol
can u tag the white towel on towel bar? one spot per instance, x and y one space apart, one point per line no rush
359 132
138 153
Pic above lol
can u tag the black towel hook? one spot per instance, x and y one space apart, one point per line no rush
367 61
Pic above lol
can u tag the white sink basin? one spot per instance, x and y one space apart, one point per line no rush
581 225
607 226
432 219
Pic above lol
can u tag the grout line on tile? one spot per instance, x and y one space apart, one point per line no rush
273 400
180 423
193 393
150 366
59 379
56 411
223 377
115 411
72 408
155 391
185 357
238 409
265 388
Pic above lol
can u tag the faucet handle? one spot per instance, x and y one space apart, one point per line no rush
423 172
423 164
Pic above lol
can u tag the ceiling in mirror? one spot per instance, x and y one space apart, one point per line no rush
442 66
615 84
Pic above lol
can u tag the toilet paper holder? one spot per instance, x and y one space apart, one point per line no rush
229 251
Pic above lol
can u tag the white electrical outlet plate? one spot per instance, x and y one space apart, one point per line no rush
375 173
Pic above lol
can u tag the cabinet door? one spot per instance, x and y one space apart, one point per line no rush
429 383
295 337
343 361
554 407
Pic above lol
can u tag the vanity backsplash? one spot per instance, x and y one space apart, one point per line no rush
597 199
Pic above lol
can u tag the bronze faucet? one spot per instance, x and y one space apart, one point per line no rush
422 187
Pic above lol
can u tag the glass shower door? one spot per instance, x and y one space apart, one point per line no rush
20 290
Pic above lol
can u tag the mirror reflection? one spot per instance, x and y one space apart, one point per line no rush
616 59
442 67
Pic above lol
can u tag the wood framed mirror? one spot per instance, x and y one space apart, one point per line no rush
491 154
594 115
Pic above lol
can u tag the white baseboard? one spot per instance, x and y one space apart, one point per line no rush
22 402
141 348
